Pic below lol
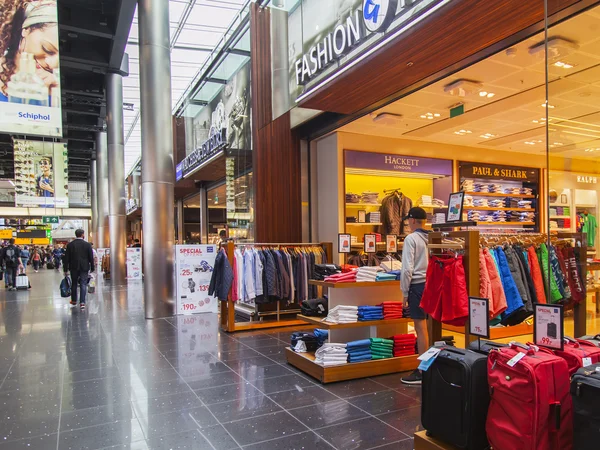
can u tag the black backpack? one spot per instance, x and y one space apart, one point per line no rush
10 256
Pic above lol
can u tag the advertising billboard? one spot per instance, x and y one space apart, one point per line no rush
30 96
41 174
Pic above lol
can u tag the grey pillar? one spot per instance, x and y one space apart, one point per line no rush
93 201
102 238
117 219
158 171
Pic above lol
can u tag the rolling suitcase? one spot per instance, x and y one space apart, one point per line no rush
530 403
585 390
486 346
578 354
22 282
455 398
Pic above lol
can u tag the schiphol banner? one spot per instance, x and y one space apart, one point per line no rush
30 96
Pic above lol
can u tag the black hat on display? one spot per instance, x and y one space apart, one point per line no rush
416 213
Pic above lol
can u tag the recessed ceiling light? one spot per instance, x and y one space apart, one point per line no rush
563 65
486 94
462 87
488 136
463 132
546 104
430 116
533 142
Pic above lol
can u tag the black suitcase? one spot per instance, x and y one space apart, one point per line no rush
485 346
585 390
455 398
591 339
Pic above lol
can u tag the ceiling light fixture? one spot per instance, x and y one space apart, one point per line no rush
430 116
386 118
463 132
563 65
463 88
486 94
558 48
533 142
488 136
547 105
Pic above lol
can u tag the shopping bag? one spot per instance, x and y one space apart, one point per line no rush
22 282
65 287
91 284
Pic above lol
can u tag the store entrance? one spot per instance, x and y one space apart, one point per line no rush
526 161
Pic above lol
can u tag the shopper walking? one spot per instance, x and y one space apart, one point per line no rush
79 260
415 259
11 257
25 258
36 259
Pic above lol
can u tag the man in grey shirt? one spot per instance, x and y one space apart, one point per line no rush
415 258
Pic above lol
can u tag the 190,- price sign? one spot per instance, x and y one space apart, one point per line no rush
548 330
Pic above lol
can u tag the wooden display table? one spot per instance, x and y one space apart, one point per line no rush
424 442
498 332
356 294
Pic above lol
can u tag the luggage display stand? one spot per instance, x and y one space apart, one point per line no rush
356 294
283 318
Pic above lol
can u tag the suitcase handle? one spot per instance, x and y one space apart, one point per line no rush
529 347
570 340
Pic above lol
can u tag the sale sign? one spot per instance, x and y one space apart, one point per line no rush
194 267
479 311
548 328
134 263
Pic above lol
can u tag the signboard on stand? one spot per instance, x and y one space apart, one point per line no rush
134 263
479 313
194 267
548 330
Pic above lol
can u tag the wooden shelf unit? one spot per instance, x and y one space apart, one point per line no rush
496 194
505 224
333 326
364 284
361 205
491 208
350 371
362 224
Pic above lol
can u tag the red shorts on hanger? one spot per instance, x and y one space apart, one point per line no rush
445 297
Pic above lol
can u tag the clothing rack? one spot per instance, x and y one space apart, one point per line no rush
470 246
228 308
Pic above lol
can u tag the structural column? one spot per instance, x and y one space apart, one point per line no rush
158 171
101 240
93 200
117 219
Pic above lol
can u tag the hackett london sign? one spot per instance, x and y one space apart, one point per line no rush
478 170
201 155
397 163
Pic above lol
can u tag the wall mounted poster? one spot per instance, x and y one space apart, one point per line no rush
30 98
455 207
344 243
134 263
41 174
194 267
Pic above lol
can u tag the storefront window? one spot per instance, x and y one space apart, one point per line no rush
191 221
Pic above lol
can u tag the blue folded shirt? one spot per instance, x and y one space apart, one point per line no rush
355 350
361 353
361 343
369 308
359 359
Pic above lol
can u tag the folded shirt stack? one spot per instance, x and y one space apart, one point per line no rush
359 351
321 335
392 310
369 197
331 355
468 199
342 314
382 348
352 198
367 273
404 344
385 276
348 277
468 185
366 313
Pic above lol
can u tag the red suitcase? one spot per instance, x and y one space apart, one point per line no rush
578 353
530 402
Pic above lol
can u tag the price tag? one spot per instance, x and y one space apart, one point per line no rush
391 241
548 328
587 362
479 317
515 359
429 354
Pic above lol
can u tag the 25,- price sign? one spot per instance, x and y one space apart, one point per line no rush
479 314
548 330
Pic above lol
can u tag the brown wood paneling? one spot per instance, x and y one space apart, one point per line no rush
458 31
260 47
178 139
276 150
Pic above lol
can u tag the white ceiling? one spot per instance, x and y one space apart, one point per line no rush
517 80
196 28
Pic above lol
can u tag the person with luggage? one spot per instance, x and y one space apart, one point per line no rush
11 257
25 258
415 259
79 261
57 256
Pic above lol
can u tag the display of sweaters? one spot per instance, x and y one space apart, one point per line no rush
394 207
264 275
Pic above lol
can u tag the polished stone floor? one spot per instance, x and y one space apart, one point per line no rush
108 378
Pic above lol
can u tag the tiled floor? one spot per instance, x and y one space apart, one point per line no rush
107 378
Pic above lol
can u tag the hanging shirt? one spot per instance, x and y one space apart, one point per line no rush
249 282
258 273
547 273
239 269
589 226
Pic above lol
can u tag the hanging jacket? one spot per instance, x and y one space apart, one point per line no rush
563 271
485 286
557 272
498 299
513 298
573 275
544 261
527 277
222 277
536 275
518 276
393 209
